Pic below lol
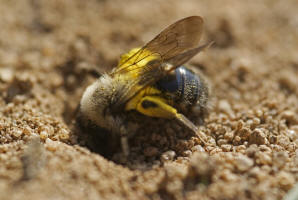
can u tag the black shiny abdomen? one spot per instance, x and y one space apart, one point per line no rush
182 85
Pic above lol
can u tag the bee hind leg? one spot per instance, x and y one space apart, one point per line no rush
192 127
157 107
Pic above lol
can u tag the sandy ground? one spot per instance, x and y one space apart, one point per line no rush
49 48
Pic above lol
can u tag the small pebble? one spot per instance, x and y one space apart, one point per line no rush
168 156
43 135
280 158
226 147
258 137
198 148
263 158
243 163
187 153
6 74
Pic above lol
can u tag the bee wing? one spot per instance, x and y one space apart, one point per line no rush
183 35
176 38
172 47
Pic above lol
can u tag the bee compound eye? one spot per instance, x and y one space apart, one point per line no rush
148 104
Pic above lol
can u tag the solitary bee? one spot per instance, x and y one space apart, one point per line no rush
150 80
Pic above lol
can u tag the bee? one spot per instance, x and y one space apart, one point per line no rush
150 80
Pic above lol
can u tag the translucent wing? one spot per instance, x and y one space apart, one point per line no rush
174 46
178 37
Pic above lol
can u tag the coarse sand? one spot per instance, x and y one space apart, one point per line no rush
50 51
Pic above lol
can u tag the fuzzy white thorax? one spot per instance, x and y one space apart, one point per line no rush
95 100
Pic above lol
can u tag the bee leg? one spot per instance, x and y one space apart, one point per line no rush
124 141
120 134
154 106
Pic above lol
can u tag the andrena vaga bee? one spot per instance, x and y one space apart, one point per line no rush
150 80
